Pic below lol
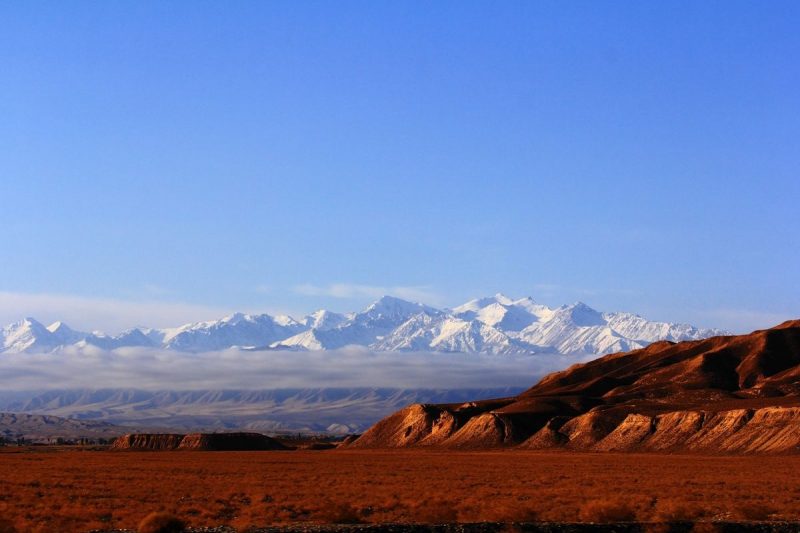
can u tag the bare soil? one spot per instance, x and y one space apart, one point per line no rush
80 490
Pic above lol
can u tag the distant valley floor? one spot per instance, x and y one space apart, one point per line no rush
323 410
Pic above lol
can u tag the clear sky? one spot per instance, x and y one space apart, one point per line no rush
166 161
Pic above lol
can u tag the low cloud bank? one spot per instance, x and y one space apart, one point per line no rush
152 369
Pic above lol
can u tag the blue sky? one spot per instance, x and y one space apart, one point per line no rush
163 162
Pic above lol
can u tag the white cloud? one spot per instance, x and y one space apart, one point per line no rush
108 314
154 369
351 291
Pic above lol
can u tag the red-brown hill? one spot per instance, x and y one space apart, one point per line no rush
736 394
198 441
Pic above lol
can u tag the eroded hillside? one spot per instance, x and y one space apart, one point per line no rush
732 394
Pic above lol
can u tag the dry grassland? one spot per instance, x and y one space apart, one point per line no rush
73 490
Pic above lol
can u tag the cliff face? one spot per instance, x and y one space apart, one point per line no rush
148 441
198 441
734 394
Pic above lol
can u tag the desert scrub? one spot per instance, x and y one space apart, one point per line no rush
607 511
677 511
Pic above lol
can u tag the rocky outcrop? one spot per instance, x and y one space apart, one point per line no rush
628 435
487 430
734 394
585 431
771 429
229 442
148 441
417 424
197 441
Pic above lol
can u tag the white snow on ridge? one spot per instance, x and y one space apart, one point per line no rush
495 325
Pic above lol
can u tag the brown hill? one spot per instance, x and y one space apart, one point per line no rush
230 442
198 441
736 394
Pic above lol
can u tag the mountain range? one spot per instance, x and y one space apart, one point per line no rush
493 325
46 428
319 410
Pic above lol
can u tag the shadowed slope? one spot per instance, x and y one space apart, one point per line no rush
728 394
198 441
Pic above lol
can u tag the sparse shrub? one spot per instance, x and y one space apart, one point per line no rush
677 511
607 511
161 523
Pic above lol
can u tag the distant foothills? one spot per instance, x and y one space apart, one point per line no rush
493 325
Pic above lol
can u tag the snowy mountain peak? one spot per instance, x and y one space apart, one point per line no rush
393 307
480 303
64 334
323 319
497 325
27 334
581 314
285 320
27 324
503 299
55 326
391 303
235 318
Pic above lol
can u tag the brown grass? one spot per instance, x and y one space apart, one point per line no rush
678 511
72 490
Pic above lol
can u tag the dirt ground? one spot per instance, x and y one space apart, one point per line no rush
45 490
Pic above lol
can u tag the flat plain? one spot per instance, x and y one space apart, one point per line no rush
47 490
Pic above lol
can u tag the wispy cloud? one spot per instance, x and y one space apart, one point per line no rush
154 369
353 291
108 314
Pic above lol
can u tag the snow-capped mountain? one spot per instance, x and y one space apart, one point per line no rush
129 338
63 334
324 319
503 312
448 333
493 325
364 328
30 335
235 330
